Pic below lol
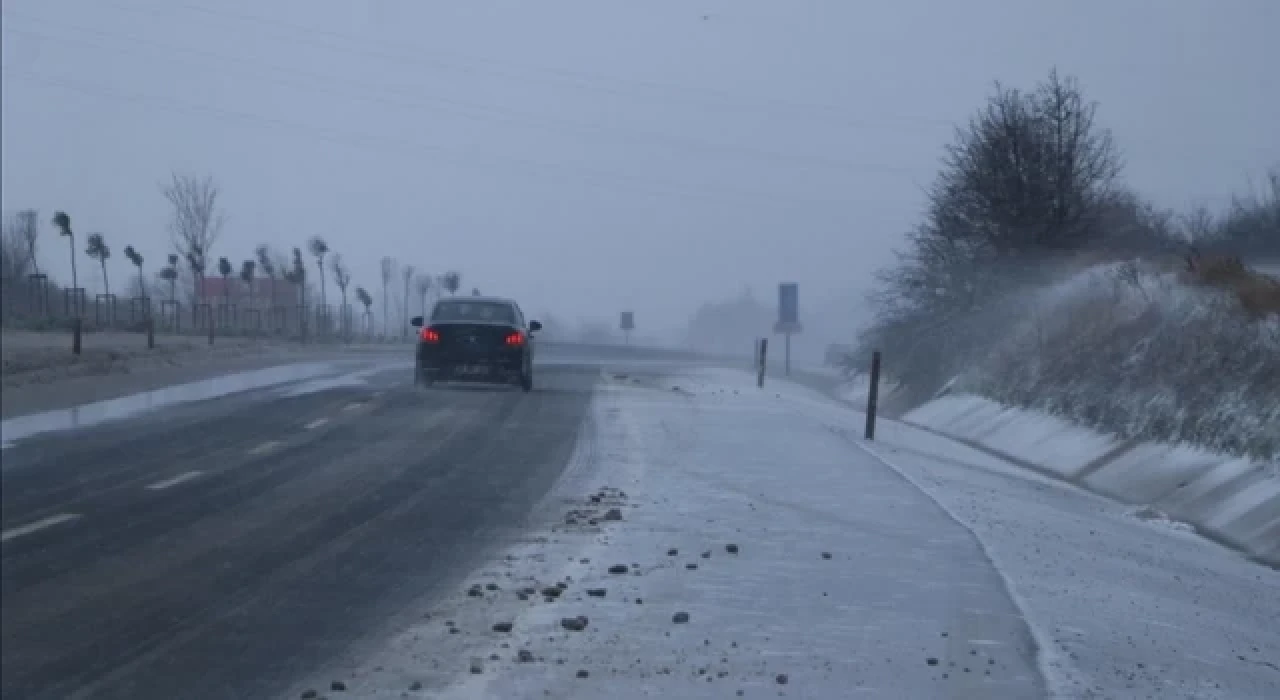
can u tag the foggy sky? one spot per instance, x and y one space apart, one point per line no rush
596 155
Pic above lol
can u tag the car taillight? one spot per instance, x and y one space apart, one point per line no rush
430 335
515 339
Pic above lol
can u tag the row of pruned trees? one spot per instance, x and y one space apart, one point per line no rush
195 224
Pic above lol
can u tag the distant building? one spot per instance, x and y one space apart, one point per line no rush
215 289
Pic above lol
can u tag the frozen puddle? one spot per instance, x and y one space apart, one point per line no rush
715 542
21 427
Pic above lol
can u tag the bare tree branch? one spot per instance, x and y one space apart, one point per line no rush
195 221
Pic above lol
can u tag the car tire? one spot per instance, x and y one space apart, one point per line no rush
526 381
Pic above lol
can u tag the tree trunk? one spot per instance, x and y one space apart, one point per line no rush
74 280
106 284
342 316
324 297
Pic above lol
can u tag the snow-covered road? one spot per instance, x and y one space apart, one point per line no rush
715 540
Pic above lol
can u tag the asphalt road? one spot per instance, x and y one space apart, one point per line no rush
223 548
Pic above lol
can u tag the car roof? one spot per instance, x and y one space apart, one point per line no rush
475 299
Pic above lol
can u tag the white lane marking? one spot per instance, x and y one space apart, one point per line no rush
36 526
159 485
353 406
315 423
265 447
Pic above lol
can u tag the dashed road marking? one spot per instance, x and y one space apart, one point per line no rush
353 407
37 526
315 423
265 447
160 485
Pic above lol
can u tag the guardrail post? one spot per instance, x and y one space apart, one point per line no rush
873 395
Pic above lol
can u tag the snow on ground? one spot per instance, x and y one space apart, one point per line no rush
812 566
41 374
39 358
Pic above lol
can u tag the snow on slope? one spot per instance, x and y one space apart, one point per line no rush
1132 349
1058 584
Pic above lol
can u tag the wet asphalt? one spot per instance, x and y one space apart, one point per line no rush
222 548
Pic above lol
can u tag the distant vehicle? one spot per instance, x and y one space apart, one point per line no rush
476 338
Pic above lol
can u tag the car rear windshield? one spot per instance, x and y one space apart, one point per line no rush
488 311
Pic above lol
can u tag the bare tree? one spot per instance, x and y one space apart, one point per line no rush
451 281
170 275
268 267
388 270
136 258
1031 176
96 248
195 220
63 223
20 238
318 249
406 276
423 285
1028 172
198 263
225 269
25 229
297 275
363 297
248 272
342 278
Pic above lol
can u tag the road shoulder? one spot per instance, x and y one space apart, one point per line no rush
709 541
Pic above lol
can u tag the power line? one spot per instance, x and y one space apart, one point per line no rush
633 183
572 78
403 99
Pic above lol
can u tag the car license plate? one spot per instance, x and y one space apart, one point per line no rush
473 369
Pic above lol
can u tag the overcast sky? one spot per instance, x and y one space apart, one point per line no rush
596 155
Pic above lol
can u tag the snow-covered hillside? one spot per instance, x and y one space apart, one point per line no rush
1133 349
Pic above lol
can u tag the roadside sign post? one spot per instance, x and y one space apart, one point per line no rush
627 323
788 322
762 350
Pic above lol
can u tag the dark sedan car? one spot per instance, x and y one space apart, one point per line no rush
482 339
